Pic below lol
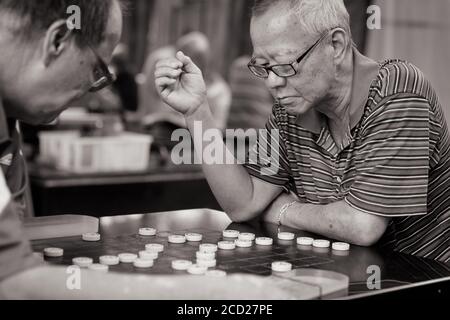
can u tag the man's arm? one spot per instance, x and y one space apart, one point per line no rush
180 84
242 196
337 220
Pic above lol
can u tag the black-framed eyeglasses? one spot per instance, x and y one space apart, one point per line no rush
283 70
103 77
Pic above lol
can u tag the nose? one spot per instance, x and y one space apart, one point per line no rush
273 81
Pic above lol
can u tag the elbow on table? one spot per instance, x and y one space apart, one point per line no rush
370 232
367 240
242 215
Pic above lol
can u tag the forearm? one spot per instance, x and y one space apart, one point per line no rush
231 183
181 85
332 221
335 220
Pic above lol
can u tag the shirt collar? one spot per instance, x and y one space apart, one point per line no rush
364 74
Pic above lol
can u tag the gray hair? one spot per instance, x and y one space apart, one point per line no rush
314 16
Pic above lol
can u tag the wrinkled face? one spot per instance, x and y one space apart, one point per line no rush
278 39
49 83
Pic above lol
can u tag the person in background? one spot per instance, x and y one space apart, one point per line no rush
197 46
251 102
125 84
151 107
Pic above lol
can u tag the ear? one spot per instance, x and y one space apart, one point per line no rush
55 41
340 42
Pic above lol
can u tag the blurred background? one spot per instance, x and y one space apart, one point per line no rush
109 153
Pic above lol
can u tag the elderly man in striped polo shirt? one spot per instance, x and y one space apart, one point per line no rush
364 147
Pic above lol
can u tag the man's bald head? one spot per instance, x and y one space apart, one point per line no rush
312 16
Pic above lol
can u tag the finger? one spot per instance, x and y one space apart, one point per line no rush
167 72
169 63
188 64
164 82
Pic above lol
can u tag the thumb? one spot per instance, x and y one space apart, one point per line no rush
188 65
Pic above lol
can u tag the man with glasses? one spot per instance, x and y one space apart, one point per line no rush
363 146
43 67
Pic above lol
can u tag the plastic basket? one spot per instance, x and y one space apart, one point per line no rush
123 153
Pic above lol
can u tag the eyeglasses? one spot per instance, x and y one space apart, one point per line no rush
103 77
282 70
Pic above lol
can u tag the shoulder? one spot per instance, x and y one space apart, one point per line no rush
401 89
402 77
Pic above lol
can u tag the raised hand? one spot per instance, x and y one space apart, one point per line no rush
180 83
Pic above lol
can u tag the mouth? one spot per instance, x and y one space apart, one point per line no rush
286 100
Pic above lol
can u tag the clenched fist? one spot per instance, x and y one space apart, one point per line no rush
180 84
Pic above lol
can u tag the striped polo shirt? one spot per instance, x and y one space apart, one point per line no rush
396 164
